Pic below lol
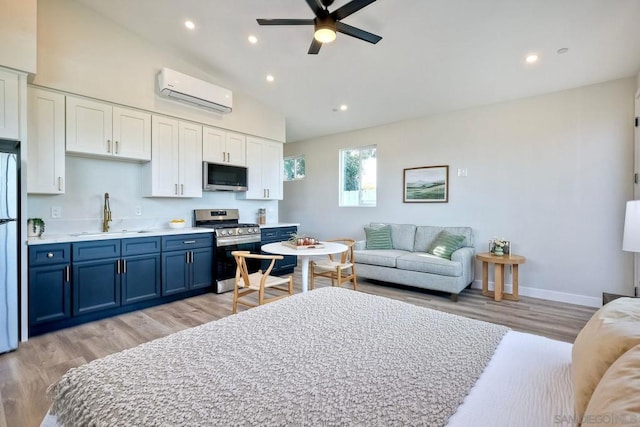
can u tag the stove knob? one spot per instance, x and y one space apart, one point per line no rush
239 231
223 232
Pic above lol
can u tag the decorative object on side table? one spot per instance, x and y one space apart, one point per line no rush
35 227
299 241
499 246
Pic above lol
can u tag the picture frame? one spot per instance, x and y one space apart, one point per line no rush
426 184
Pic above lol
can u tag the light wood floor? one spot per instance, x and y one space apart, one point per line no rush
26 373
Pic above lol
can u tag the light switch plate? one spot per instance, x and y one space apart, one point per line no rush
56 211
462 171
138 210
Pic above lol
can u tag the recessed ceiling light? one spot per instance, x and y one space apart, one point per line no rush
563 50
532 58
270 78
253 39
343 107
189 24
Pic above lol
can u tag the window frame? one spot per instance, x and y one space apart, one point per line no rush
341 178
296 159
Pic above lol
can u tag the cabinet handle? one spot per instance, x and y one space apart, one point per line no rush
118 266
176 190
191 256
108 145
117 147
60 183
186 258
67 273
228 157
49 255
181 189
189 242
268 194
124 266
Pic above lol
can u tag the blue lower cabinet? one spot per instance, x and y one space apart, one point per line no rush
202 268
96 285
49 294
140 278
175 272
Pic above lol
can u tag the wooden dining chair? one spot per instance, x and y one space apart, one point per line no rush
248 283
340 268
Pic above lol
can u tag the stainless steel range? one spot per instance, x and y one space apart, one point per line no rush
229 235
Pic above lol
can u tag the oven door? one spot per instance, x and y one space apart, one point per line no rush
225 263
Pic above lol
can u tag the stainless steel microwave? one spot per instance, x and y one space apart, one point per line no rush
221 177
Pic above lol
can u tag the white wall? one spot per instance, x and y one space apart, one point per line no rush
550 173
18 34
80 51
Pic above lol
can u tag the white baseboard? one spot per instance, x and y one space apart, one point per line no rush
546 294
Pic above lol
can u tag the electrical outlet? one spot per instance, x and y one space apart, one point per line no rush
462 172
56 211
138 210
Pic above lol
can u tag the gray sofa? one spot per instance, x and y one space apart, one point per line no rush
408 263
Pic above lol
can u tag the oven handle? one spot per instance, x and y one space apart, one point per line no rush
239 240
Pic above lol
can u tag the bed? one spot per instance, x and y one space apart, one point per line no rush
327 357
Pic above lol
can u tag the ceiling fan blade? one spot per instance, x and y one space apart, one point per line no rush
317 9
349 8
357 33
315 47
285 21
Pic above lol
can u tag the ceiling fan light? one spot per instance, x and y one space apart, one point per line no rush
325 35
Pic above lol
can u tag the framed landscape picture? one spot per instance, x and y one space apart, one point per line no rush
427 184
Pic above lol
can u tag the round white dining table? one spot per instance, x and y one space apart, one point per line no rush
322 248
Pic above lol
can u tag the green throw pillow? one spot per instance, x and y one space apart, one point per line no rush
445 244
378 237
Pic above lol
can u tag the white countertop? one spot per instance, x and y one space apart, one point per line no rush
280 224
122 234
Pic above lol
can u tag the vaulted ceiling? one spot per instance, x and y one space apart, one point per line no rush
435 55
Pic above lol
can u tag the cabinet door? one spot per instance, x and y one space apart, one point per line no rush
140 278
131 134
163 170
272 169
89 127
254 173
46 142
236 148
175 272
201 268
49 294
96 285
190 156
9 105
213 145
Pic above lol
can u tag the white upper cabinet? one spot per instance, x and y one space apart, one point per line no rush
176 166
45 123
220 146
99 129
264 163
9 105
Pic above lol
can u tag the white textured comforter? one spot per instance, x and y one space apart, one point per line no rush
327 357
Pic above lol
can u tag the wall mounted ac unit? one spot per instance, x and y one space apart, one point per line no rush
180 86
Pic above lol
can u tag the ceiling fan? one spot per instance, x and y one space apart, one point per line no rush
327 23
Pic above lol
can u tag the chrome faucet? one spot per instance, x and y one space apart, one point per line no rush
106 214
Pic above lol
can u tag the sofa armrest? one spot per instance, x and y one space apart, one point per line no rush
360 245
465 256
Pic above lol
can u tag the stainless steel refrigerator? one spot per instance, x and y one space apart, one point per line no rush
9 248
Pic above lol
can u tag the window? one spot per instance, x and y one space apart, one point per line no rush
358 176
294 168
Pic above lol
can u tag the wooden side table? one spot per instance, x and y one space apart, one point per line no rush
500 261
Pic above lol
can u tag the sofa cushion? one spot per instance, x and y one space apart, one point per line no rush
378 257
445 244
402 235
378 237
426 234
427 263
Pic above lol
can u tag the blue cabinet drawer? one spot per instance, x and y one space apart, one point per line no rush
278 234
96 249
140 245
41 255
187 241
